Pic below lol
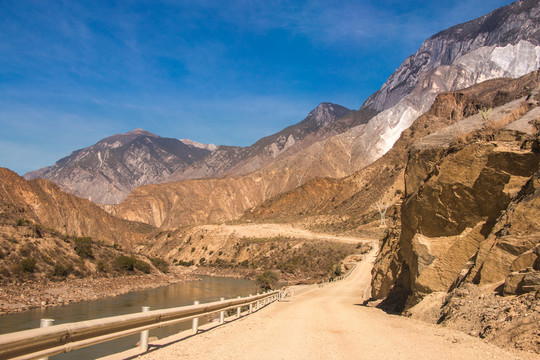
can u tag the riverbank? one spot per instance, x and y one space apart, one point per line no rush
19 296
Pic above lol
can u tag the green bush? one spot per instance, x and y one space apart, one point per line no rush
267 280
202 261
125 262
23 222
28 265
335 271
142 266
83 247
62 271
160 264
185 263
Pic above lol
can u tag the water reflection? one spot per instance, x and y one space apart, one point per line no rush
207 290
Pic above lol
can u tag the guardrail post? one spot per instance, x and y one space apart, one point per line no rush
145 333
257 303
195 322
45 323
250 306
238 310
222 314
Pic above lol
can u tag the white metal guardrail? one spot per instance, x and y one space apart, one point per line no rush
56 339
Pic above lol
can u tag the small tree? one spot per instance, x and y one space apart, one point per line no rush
125 262
267 280
83 247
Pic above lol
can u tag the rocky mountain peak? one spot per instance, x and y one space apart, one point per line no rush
210 147
516 23
140 131
118 140
326 113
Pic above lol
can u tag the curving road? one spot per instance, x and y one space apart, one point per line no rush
328 323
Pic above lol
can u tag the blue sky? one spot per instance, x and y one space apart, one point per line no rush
225 72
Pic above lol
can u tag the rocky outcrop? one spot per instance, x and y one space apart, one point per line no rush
107 171
470 212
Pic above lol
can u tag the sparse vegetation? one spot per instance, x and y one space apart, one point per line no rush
485 113
126 263
28 265
61 271
23 222
267 280
101 266
185 263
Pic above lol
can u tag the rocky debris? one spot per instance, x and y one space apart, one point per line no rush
509 321
16 297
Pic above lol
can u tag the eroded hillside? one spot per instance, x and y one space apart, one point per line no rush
45 203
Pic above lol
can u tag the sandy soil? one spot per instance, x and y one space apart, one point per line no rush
327 323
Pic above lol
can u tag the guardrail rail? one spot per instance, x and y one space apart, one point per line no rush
56 339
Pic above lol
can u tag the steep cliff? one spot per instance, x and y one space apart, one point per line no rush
470 210
353 197
503 43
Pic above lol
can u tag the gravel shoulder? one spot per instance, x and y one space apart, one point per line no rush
327 323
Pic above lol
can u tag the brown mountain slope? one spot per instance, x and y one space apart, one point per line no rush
353 198
43 202
216 200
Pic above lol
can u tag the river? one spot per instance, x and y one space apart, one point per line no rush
207 290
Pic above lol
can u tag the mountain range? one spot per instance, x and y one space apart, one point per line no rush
336 140
440 65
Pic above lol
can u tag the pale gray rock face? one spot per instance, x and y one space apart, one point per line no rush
508 25
107 171
504 43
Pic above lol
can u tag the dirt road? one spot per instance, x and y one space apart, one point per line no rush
275 230
328 323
